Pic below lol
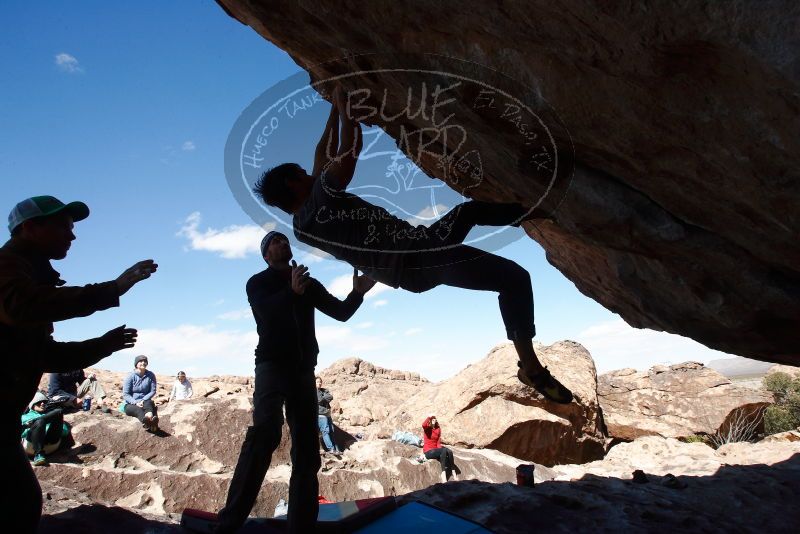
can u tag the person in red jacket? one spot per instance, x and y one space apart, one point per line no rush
432 448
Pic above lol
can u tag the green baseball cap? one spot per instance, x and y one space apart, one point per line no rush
43 206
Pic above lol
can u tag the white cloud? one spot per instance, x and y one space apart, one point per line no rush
365 325
190 342
412 331
379 303
343 338
428 215
68 63
187 146
617 345
212 350
236 315
232 242
342 285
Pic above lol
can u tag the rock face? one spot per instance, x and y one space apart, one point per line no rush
670 140
190 462
364 394
187 465
739 487
486 406
675 401
788 436
790 370
118 477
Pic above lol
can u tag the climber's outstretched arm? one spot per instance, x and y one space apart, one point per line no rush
343 165
328 145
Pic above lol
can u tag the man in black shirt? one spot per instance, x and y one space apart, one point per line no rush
283 298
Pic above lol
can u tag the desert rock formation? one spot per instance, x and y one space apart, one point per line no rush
739 487
365 394
189 463
118 475
483 406
672 401
486 406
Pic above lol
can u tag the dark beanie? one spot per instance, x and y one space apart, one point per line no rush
267 238
140 358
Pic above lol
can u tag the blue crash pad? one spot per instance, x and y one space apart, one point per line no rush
420 517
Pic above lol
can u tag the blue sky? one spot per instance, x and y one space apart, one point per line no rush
127 107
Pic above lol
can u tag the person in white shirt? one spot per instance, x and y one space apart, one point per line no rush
181 388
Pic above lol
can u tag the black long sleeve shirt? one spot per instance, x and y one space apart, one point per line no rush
285 320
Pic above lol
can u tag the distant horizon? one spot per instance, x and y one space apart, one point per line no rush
723 363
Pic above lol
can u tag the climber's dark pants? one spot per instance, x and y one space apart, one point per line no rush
274 386
443 260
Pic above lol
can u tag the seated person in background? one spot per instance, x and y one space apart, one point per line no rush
75 385
324 420
41 430
432 448
138 391
181 388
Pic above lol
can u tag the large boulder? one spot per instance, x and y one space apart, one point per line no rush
188 464
486 406
675 401
364 394
690 488
119 477
790 370
671 128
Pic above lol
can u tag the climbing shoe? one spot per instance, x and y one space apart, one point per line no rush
546 384
39 459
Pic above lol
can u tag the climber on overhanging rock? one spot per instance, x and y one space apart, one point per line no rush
392 251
